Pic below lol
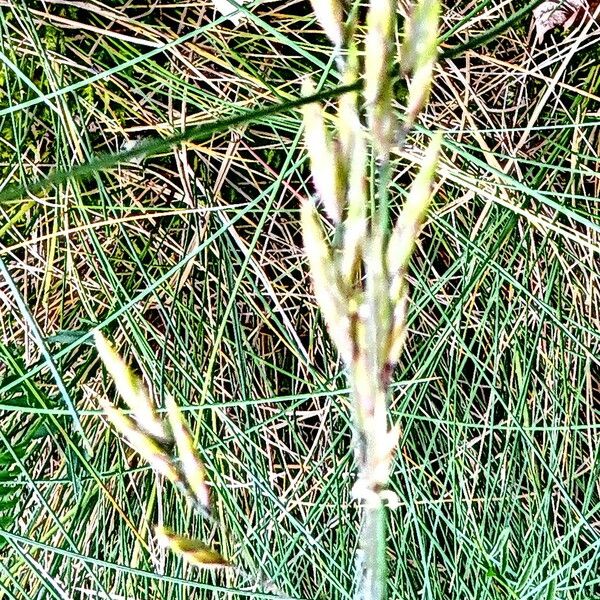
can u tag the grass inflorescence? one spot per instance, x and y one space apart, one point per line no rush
191 261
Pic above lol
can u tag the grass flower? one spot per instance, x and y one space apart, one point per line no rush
361 287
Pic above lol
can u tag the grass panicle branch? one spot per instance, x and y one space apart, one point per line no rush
167 446
361 287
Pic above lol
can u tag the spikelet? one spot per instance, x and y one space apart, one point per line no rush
378 47
326 169
402 240
401 246
348 122
330 295
193 469
131 389
377 301
194 552
141 442
379 56
354 152
330 13
355 225
399 331
419 53
420 35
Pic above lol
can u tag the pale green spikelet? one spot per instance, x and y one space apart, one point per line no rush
406 230
377 302
195 552
328 287
348 122
145 445
330 15
399 332
191 465
354 153
419 54
401 246
420 35
327 172
131 389
379 56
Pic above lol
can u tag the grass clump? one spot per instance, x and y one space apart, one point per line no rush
190 260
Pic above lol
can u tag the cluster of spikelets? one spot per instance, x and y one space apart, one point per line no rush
167 445
359 272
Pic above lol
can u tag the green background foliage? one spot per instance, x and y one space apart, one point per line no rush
192 261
